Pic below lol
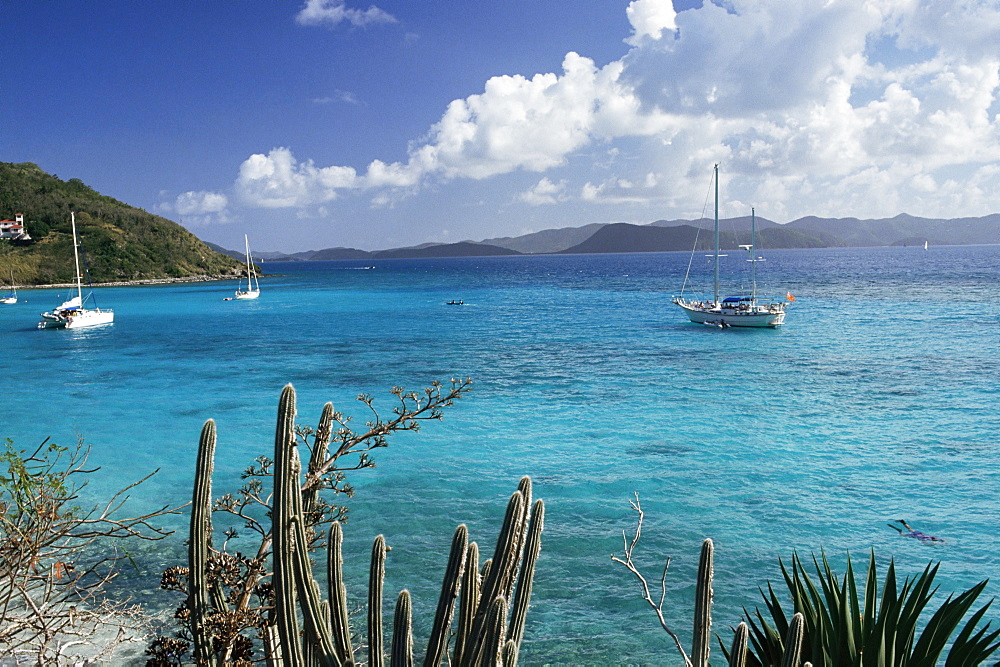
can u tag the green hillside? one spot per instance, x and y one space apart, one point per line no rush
120 243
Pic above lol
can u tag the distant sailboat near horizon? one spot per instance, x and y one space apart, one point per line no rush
734 311
71 314
253 287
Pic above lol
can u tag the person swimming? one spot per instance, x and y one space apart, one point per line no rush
915 534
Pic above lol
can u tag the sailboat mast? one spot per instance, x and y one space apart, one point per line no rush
753 253
76 259
716 232
246 239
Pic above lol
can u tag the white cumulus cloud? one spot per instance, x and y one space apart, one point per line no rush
278 180
650 18
335 12
545 192
835 108
201 202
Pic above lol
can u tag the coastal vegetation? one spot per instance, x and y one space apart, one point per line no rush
120 242
831 621
239 609
58 557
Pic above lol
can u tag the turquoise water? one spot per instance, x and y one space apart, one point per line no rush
876 401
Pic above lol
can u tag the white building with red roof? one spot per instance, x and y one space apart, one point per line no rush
14 229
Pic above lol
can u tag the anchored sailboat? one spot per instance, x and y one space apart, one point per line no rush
71 314
253 287
12 297
734 311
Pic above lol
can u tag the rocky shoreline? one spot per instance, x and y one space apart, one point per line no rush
131 283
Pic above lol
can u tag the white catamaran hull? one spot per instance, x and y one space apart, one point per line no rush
77 320
762 316
253 294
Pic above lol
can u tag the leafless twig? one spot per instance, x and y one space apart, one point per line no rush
656 605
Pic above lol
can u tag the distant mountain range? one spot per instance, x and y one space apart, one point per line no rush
667 235
124 243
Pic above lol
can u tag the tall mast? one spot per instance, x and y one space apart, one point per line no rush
246 239
716 232
753 253
76 260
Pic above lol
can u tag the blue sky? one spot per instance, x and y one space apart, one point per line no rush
324 123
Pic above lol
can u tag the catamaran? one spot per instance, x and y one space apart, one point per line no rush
746 310
253 287
72 314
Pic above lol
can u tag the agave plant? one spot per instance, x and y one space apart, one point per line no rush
887 628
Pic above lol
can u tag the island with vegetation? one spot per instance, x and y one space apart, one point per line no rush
121 243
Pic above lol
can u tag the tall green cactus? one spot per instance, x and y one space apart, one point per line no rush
468 599
320 450
703 606
494 633
200 547
526 577
793 641
376 581
338 592
738 651
285 486
502 568
402 635
437 645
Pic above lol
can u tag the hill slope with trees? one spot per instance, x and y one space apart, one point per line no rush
120 242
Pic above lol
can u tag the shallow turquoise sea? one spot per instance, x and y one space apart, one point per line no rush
877 400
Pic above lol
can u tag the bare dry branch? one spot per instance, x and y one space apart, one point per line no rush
657 606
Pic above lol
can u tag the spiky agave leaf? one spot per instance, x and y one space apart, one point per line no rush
886 631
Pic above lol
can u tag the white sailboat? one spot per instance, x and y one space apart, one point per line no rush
253 287
12 297
72 314
734 311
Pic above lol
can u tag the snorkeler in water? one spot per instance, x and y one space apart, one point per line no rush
915 534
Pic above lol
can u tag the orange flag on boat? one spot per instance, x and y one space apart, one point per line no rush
790 297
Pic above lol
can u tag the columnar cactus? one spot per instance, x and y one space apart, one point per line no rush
793 641
376 581
468 599
703 606
286 484
525 581
738 651
437 646
200 546
402 635
338 591
509 573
